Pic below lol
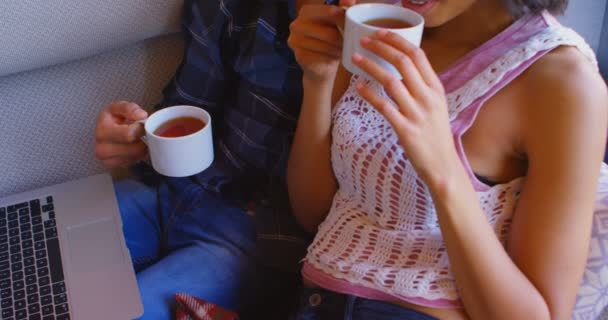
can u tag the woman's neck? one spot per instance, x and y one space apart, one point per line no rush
478 24
446 43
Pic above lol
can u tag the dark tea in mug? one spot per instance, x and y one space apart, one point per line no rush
388 23
179 127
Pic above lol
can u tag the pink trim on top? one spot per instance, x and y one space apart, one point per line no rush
463 70
324 280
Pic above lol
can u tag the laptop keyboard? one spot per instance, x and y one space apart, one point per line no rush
31 274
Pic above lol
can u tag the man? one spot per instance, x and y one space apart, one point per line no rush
227 234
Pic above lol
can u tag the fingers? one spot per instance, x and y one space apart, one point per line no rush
384 107
316 41
112 132
316 22
114 163
415 54
314 45
327 33
115 123
321 13
412 79
116 155
127 110
392 85
112 150
347 3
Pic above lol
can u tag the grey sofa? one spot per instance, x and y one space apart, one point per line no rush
61 61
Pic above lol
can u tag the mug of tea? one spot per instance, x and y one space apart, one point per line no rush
363 20
179 140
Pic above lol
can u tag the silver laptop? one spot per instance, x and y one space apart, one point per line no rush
63 254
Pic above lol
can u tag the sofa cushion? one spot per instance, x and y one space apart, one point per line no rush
42 33
48 115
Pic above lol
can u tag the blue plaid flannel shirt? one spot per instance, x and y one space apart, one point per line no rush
238 66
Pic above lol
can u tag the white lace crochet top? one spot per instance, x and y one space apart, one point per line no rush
381 238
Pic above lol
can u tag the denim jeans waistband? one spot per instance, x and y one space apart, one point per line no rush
321 304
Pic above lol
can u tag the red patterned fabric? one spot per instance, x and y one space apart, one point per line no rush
191 308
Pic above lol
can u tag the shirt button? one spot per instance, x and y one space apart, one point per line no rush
314 299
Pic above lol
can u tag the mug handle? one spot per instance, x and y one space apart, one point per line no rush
143 138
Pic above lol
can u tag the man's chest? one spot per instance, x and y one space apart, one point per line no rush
255 48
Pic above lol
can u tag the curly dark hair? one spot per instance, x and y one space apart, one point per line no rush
521 7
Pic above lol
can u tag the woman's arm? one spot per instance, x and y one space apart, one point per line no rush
565 144
537 276
310 177
317 45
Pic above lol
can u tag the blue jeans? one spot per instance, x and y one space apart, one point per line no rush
193 243
321 304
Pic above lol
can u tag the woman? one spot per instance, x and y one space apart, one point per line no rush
467 189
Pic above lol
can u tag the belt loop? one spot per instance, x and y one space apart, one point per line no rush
349 307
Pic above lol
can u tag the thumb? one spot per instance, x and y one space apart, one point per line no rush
347 3
127 110
135 131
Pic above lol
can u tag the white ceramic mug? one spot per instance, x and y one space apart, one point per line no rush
355 29
179 156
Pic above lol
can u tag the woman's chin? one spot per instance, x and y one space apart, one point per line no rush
420 6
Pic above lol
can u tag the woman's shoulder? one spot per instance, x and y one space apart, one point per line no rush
564 79
563 93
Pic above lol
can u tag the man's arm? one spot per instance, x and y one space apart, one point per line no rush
202 78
